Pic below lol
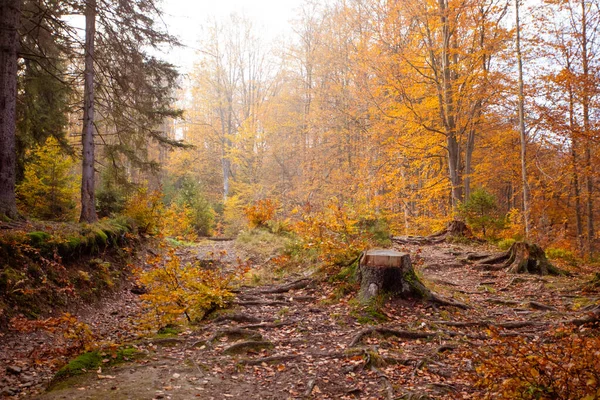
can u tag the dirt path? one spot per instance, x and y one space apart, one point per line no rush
298 340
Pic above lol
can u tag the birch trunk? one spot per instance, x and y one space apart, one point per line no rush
522 133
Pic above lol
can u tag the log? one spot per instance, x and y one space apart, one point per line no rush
389 271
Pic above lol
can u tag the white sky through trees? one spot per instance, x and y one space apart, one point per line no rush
185 19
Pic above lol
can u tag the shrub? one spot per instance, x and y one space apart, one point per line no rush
146 209
338 233
199 211
562 254
176 290
562 367
480 210
49 187
260 213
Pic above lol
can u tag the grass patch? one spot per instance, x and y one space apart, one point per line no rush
263 244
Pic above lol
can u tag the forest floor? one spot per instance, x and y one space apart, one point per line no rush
302 338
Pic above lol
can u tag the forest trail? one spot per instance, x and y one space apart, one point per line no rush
292 340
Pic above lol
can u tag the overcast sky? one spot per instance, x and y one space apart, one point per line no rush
184 18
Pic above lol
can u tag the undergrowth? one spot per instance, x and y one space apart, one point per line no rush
43 265
183 292
563 366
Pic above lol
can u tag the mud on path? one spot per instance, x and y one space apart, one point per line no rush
297 339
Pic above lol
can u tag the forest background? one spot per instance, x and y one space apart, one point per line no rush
372 113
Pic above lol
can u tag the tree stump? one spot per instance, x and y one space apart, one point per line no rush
389 271
529 258
458 228
523 258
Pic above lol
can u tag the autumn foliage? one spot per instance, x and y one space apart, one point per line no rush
339 232
561 367
177 290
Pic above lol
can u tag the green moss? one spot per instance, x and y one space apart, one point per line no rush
90 361
38 238
83 363
371 312
169 330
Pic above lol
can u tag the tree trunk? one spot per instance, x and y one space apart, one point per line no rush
391 272
575 166
522 133
587 84
88 195
10 13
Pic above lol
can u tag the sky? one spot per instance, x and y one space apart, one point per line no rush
184 19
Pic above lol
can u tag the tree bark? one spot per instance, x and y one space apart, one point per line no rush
448 111
575 166
391 272
88 194
522 133
585 103
530 259
522 257
10 13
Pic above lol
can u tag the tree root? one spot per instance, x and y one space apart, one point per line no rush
265 325
522 257
238 318
540 306
505 325
435 298
250 345
299 284
310 387
390 332
389 390
233 333
250 303
271 359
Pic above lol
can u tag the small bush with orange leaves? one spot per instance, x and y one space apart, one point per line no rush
564 366
260 213
177 290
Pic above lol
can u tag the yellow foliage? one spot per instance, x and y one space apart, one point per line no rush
146 210
338 232
176 290
77 335
49 187
178 222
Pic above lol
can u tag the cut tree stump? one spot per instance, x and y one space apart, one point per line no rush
391 272
523 258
